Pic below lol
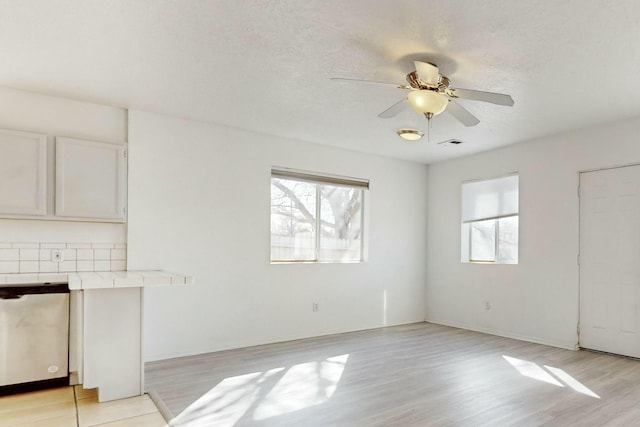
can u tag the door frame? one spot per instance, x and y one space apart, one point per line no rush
579 194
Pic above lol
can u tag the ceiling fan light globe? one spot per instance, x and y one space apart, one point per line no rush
427 101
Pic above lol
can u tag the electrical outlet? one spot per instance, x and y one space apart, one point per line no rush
487 305
57 255
315 307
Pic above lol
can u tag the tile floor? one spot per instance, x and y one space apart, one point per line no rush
76 407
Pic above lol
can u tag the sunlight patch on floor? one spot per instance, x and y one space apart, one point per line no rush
227 402
533 370
572 382
303 386
263 395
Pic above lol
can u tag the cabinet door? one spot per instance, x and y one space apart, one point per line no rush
90 179
23 173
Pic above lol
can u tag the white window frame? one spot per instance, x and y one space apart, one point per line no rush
467 229
318 180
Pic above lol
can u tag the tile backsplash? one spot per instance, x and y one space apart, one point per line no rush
40 257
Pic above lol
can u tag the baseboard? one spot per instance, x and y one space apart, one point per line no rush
237 345
515 336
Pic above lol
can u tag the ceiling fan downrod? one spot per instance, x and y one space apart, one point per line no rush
429 116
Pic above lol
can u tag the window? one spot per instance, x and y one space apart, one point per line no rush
316 218
490 220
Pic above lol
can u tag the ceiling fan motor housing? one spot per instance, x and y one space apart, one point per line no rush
415 82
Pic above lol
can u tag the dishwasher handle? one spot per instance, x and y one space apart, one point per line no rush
13 292
14 296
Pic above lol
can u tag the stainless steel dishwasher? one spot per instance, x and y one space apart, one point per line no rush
34 336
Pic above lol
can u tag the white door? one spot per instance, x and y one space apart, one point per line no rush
610 260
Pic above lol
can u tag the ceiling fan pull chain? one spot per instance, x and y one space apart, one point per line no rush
428 116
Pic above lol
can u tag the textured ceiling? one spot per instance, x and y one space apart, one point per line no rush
266 66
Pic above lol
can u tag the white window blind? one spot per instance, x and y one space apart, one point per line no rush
490 223
321 179
490 199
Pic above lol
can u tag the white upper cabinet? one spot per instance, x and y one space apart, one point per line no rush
90 180
23 173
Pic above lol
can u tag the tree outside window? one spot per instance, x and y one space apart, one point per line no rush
313 220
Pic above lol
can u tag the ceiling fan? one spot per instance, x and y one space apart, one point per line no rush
430 94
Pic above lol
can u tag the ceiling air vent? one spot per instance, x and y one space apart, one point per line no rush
451 141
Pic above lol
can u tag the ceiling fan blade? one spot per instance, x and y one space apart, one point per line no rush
476 95
462 114
428 73
395 109
399 86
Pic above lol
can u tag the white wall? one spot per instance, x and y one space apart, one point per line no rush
53 116
536 300
199 203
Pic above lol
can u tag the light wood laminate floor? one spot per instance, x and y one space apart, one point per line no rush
413 375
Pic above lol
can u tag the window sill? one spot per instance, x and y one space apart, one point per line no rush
489 262
316 262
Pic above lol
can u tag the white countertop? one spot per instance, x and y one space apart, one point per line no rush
101 279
